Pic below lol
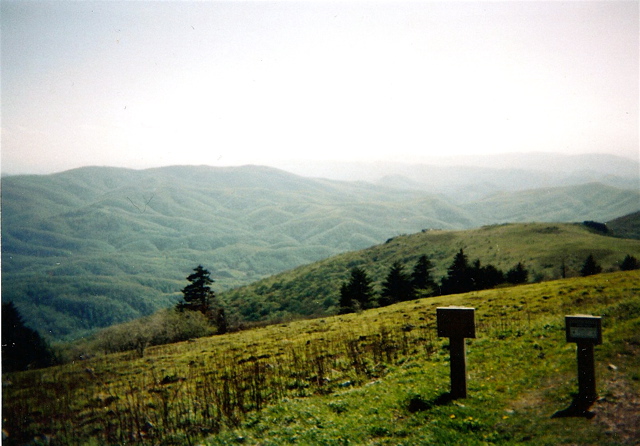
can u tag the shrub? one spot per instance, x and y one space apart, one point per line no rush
163 327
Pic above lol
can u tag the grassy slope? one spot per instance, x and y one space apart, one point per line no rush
627 226
372 378
314 289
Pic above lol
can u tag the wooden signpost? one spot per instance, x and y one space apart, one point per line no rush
457 323
585 331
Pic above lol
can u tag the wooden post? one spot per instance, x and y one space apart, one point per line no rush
458 367
457 323
585 331
586 372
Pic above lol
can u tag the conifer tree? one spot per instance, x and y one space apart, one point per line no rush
487 277
590 267
421 279
518 274
629 263
198 296
357 293
346 300
397 287
458 279
22 347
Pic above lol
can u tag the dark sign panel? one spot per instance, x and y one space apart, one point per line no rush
583 328
456 322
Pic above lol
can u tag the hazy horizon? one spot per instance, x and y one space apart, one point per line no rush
149 84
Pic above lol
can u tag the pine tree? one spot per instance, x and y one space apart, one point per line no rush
198 296
629 263
346 300
518 274
488 277
421 279
459 278
590 267
357 294
22 347
397 287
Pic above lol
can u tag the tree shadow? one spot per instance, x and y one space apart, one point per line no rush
419 404
579 407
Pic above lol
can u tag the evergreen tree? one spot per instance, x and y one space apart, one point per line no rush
198 296
357 294
22 347
629 263
518 274
483 277
459 278
397 287
489 277
590 267
421 278
346 300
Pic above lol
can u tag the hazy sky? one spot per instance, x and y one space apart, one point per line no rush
141 84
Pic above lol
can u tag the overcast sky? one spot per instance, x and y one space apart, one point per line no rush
142 84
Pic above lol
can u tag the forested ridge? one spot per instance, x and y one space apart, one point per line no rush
546 251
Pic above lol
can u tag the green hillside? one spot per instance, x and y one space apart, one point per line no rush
313 290
627 226
96 246
379 377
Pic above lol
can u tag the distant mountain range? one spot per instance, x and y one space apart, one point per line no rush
466 178
95 246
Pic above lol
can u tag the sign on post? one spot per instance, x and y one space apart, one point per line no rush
586 331
457 323
583 328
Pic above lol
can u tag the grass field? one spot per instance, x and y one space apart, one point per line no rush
377 377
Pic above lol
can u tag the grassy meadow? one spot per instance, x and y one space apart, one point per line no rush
373 378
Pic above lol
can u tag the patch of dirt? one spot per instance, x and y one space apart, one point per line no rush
618 410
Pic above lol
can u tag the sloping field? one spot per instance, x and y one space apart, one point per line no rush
378 377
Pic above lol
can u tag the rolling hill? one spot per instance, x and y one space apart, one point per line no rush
627 226
314 289
96 246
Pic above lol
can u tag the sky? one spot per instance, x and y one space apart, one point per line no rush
143 84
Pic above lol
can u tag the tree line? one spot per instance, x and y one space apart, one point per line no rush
463 276
199 312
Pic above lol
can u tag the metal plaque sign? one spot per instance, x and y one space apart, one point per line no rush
583 328
456 322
